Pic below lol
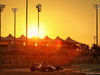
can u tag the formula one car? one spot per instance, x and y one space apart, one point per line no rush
43 67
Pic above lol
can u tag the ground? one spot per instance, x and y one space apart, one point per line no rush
26 71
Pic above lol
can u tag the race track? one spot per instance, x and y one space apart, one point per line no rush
26 71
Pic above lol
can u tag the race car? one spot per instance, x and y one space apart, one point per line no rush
43 67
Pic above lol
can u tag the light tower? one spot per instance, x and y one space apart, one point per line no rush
96 7
14 11
1 10
39 10
26 21
94 39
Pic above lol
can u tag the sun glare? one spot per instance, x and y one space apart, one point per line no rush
33 31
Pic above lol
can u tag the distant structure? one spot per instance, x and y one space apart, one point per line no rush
96 7
55 48
57 42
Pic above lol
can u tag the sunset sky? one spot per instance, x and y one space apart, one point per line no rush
63 18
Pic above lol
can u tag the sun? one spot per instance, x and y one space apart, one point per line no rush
33 31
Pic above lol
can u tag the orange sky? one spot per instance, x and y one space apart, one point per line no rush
63 18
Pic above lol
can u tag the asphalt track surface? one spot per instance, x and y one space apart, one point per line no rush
26 71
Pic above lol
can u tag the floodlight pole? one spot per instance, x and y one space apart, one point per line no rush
38 25
97 6
94 39
0 27
26 21
1 10
39 10
14 11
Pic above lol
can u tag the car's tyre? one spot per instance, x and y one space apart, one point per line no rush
32 68
50 69
58 67
43 69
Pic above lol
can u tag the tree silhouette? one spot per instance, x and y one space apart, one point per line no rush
95 51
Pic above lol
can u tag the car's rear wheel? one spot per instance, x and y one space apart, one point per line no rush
32 68
50 69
